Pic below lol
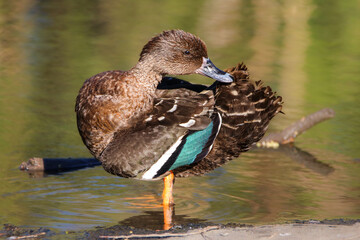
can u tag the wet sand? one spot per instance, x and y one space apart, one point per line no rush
286 231
328 229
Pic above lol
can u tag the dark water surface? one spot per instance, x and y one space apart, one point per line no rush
308 51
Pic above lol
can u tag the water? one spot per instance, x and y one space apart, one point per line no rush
308 51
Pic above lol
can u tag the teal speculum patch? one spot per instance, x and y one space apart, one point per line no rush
195 143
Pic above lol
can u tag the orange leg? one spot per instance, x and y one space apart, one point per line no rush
168 187
168 201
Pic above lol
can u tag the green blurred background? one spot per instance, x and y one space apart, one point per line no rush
308 51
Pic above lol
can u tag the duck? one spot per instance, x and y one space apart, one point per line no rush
144 124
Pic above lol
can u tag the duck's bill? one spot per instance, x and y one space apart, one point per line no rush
208 69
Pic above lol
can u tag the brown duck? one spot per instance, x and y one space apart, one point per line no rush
141 124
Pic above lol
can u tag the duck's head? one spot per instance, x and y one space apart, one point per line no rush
177 52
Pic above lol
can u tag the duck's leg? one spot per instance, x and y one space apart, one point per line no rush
168 187
168 200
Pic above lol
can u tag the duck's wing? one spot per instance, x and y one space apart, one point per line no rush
179 131
192 112
246 109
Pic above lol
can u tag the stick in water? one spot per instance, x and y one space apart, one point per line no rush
289 134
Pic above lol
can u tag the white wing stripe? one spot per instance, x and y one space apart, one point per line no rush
149 174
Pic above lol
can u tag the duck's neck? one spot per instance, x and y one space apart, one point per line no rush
145 76
142 83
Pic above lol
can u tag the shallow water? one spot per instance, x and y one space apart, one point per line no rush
307 51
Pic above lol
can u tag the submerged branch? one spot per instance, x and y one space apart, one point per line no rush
303 158
57 164
289 134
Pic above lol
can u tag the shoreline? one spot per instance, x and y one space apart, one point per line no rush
298 229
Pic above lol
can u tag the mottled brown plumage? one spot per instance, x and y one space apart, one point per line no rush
127 123
246 108
138 128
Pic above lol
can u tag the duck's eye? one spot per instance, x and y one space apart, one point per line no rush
186 52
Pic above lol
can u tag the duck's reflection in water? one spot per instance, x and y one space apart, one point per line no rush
153 220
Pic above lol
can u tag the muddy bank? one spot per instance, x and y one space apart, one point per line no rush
284 231
299 229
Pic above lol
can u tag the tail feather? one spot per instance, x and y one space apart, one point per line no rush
246 109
